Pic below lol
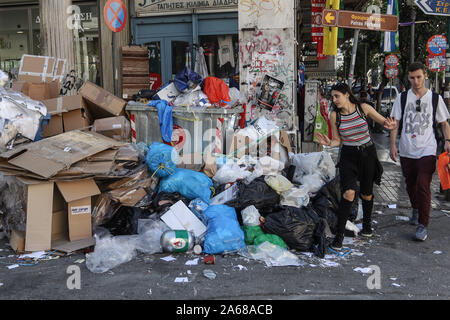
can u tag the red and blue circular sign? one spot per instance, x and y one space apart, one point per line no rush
115 14
437 45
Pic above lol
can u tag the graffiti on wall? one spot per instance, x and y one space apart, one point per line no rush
311 102
262 52
259 8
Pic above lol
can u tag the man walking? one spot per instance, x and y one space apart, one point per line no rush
416 115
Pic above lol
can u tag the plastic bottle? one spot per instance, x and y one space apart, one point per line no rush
177 241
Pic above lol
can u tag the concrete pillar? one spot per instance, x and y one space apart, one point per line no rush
56 32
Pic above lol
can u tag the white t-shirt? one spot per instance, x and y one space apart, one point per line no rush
417 139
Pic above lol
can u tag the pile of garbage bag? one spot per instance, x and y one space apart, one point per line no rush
249 207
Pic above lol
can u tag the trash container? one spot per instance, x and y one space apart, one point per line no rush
197 130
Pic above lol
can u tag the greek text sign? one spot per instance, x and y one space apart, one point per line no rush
359 20
161 6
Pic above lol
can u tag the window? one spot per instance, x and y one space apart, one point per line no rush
221 55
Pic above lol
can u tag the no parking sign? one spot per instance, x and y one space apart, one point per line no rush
115 14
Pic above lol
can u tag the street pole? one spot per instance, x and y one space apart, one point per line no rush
413 18
352 64
365 64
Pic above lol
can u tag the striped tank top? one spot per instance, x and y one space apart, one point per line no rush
354 130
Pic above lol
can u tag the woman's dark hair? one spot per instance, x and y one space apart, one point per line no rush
344 88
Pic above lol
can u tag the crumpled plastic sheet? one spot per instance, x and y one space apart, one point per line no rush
109 252
311 163
272 255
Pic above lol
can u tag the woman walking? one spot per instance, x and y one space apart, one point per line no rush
358 159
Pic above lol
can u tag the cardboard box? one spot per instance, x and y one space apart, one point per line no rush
101 103
57 215
41 91
168 93
179 217
78 198
68 113
38 69
117 128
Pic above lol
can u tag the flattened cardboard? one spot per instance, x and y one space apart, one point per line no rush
69 247
37 69
76 190
49 156
17 241
38 209
101 103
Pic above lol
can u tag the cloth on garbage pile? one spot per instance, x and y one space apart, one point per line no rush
258 194
217 91
161 159
165 111
189 183
186 79
224 233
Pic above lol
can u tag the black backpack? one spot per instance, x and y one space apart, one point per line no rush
436 129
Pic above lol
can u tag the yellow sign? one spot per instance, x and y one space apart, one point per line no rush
330 34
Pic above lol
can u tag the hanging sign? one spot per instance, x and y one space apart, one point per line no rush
115 14
436 63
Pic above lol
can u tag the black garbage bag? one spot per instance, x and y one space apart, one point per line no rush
326 203
125 221
295 226
320 241
257 193
164 200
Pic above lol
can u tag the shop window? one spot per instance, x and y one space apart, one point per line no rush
87 44
221 55
13 39
181 57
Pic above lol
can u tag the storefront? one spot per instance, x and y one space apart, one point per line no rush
174 31
20 34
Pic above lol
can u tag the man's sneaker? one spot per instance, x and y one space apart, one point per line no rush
414 220
366 231
421 233
337 242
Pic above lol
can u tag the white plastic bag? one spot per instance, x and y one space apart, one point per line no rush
236 96
251 165
315 162
295 197
272 255
230 173
110 252
278 183
270 165
312 182
192 99
250 216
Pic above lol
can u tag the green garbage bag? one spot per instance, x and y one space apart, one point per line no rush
251 233
272 238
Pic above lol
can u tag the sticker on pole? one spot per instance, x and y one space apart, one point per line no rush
115 15
437 45
391 61
436 63
391 73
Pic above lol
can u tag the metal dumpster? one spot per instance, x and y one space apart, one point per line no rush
201 130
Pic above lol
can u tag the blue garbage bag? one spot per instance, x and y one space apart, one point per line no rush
224 233
190 184
165 118
185 76
162 159
198 207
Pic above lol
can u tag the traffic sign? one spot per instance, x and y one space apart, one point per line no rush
359 20
436 63
391 73
115 14
391 60
437 45
434 7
